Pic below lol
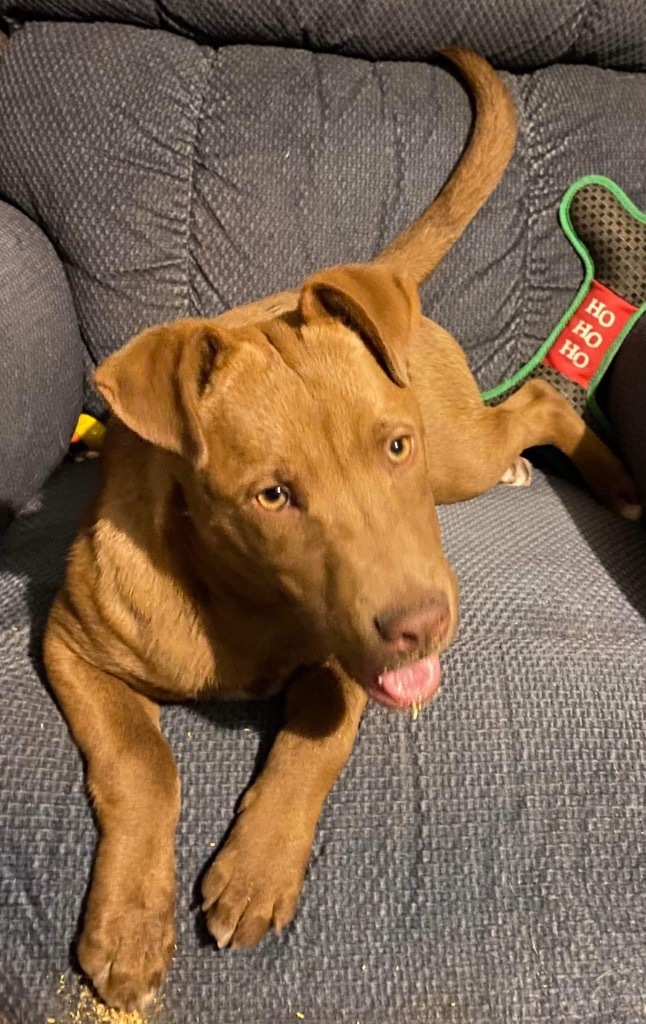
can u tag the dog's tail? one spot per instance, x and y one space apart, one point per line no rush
418 250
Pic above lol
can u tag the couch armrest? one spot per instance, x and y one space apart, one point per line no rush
41 361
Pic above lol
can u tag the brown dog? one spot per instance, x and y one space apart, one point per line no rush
267 519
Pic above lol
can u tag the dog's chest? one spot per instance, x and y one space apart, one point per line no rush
186 657
175 641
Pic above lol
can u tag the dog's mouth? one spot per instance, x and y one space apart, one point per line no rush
409 686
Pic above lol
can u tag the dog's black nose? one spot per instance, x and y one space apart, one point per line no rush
408 629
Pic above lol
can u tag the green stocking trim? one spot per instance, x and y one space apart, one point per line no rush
586 258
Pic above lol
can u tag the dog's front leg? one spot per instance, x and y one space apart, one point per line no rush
128 930
255 881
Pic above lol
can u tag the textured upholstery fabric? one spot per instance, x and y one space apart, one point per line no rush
486 863
41 361
513 33
180 180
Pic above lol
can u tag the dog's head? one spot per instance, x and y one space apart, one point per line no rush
300 449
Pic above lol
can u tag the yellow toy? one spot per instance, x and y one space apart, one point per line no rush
89 433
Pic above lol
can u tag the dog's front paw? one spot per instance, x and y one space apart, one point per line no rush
126 947
254 883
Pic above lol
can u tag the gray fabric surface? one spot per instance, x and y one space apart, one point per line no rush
181 180
41 361
485 864
513 33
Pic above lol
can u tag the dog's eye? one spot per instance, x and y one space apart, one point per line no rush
273 499
400 448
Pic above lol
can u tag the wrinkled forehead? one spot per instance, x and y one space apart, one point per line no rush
285 390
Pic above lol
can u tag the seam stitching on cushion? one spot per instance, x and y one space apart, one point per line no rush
504 339
398 167
386 204
588 14
190 306
526 270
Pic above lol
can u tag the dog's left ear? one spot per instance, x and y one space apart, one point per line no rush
155 384
380 306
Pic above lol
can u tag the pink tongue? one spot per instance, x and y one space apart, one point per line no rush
412 683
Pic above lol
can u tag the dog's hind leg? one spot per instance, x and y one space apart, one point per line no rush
538 415
519 474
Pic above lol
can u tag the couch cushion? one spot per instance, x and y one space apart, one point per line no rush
485 863
513 33
180 180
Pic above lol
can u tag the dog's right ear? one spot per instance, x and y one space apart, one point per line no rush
154 384
381 306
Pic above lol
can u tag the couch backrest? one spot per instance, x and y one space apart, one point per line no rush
179 179
514 34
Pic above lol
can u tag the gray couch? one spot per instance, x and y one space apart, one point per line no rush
487 863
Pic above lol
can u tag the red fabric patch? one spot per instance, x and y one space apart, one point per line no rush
597 322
